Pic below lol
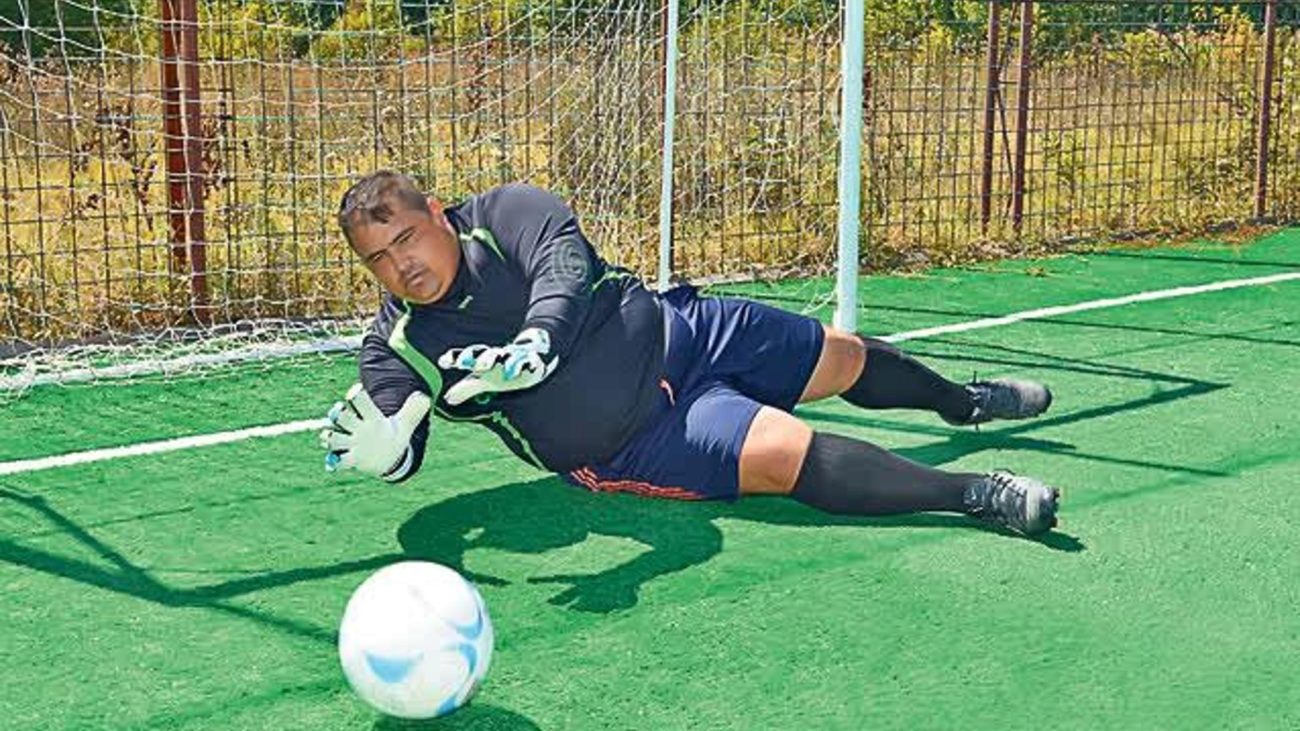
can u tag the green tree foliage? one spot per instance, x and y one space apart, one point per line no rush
45 27
351 28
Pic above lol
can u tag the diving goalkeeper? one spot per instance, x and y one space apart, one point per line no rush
499 311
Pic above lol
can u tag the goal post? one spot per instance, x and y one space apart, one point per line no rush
170 169
850 170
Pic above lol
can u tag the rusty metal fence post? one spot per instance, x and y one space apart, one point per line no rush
993 79
1265 109
1022 113
182 130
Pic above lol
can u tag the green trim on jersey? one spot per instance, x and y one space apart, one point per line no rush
433 377
485 237
413 357
501 420
504 422
611 275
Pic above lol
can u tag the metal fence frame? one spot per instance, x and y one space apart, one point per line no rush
193 118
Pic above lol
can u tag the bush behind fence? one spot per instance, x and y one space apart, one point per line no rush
1136 117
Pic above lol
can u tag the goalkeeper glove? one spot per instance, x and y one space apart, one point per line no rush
523 363
360 437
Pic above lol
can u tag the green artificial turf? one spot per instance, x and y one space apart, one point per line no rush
201 589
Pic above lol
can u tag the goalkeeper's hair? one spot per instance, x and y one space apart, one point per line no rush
376 197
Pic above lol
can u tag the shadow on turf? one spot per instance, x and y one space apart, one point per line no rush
547 514
115 572
1007 436
1190 258
916 348
473 717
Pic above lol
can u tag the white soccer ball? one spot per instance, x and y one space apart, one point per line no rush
416 640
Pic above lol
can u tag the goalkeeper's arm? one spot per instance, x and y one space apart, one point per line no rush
540 234
388 441
561 267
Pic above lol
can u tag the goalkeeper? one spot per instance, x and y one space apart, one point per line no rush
498 311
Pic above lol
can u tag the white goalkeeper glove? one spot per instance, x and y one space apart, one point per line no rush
523 363
360 437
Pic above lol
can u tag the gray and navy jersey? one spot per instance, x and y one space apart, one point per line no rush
525 263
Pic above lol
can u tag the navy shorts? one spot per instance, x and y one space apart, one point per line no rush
725 359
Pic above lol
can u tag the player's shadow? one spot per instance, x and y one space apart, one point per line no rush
1191 258
547 514
473 717
112 570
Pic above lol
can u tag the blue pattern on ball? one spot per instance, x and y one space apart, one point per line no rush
391 669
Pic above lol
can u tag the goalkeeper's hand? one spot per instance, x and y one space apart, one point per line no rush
523 363
360 437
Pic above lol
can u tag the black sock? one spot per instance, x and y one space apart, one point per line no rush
892 379
852 477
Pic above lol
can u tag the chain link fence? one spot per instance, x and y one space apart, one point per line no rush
175 165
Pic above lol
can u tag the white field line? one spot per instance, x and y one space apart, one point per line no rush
1045 312
166 445
272 430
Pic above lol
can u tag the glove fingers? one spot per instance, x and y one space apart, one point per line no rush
365 408
413 410
507 368
343 415
336 461
336 413
477 358
516 367
491 359
449 359
332 440
465 359
510 366
466 389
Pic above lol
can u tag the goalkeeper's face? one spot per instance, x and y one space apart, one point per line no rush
414 254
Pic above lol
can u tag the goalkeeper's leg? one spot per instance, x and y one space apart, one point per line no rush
713 442
782 455
874 374
779 358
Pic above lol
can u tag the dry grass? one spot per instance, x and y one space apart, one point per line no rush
1121 139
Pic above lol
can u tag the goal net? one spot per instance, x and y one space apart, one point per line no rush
170 169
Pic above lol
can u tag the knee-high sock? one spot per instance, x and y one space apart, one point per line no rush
852 477
892 379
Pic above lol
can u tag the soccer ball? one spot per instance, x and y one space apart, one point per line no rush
416 640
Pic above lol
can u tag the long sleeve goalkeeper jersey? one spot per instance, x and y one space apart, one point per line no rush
525 263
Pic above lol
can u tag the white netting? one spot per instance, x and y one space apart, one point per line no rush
1083 119
298 98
